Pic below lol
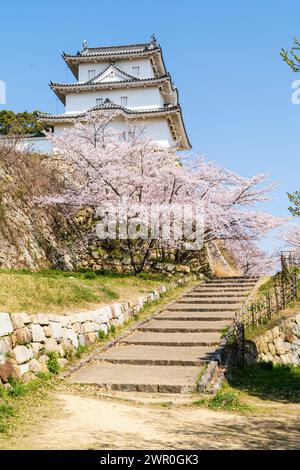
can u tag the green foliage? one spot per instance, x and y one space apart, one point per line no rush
294 199
80 350
69 353
110 293
18 388
292 57
20 123
11 399
277 382
224 399
6 411
89 275
56 291
44 377
102 335
52 362
112 329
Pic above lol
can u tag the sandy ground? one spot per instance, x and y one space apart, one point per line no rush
79 420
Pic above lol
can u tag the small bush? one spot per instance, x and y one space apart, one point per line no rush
112 329
89 275
101 335
44 377
224 399
52 363
18 388
227 400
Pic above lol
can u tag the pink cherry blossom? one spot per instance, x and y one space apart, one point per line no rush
106 166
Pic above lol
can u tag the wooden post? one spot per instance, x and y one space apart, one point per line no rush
276 297
283 293
240 341
295 285
269 306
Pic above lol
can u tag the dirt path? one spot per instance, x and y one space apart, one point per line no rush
88 420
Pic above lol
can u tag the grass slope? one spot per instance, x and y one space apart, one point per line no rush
55 291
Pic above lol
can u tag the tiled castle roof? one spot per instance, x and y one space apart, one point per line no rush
61 89
116 50
109 105
173 112
101 54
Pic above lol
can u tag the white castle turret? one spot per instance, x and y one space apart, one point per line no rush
130 80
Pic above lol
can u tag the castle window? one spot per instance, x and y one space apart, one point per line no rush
124 101
91 74
136 71
99 101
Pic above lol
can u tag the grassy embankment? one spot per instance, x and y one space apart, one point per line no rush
53 291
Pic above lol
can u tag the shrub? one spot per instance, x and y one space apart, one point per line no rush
52 363
112 329
89 275
225 399
101 334
18 388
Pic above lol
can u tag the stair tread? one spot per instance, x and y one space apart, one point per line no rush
144 352
166 353
204 307
110 374
172 338
197 316
165 324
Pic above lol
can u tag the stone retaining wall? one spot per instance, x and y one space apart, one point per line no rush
26 340
279 345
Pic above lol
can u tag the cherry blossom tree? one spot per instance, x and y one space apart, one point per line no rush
103 166
292 238
251 261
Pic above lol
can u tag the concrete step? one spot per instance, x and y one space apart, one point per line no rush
229 286
211 295
150 379
232 281
193 316
186 307
169 326
200 301
221 289
158 355
235 278
173 339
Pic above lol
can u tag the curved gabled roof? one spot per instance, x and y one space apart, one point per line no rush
110 53
61 89
113 66
173 114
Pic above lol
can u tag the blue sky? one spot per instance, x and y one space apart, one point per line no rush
223 56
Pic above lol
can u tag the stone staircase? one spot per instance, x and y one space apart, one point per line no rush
167 353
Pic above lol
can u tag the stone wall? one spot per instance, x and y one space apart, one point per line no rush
279 345
26 340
